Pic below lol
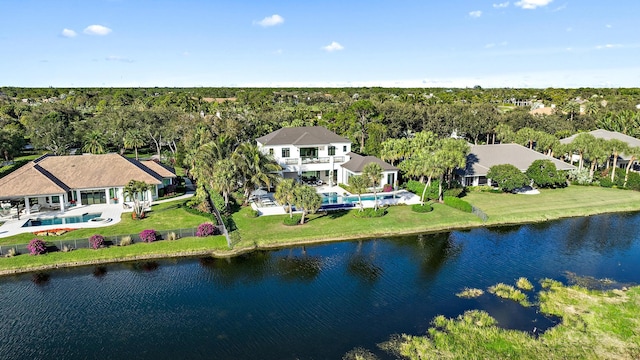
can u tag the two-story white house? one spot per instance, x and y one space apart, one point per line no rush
313 153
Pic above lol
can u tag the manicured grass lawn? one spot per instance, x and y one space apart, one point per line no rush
553 203
166 248
165 216
266 230
595 325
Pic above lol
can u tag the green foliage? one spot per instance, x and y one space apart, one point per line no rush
419 208
579 177
6 170
417 188
470 293
509 292
370 213
292 221
458 203
524 284
508 177
545 175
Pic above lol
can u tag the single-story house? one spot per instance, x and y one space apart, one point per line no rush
623 159
482 157
63 181
314 153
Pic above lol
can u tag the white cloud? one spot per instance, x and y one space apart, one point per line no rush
68 33
97 30
118 58
334 46
532 4
475 14
501 5
608 46
608 26
272 20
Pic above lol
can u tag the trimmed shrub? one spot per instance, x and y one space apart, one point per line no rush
292 221
172 236
455 192
37 247
205 229
421 208
387 188
148 235
96 241
458 203
254 213
126 241
11 252
370 213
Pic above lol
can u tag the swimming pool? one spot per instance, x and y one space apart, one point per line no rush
61 220
333 198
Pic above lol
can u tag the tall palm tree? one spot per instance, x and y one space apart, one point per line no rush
581 144
135 191
616 147
285 194
255 169
308 200
224 179
359 185
94 142
633 153
373 172
133 139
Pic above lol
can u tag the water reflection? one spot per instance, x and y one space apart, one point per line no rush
40 278
430 251
100 271
361 264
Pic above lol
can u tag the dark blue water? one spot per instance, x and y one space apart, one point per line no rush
316 302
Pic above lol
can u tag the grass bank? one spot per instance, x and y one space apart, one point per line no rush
161 249
595 325
266 231
553 204
164 216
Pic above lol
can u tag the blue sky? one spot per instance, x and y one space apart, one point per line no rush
422 43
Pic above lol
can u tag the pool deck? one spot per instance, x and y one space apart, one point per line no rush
14 226
400 197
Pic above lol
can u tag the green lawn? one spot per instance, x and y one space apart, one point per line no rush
165 216
269 230
115 253
553 203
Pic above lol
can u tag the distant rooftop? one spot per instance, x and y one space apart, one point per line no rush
300 136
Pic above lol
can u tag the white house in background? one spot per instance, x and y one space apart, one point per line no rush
313 153
63 181
482 157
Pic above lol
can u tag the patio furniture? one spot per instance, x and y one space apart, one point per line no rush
35 208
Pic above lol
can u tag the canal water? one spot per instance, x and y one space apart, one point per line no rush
313 302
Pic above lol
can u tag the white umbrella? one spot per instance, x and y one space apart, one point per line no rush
259 192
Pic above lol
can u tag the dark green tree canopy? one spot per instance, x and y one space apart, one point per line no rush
544 174
508 177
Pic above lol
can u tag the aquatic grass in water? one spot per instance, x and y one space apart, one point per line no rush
524 284
470 293
509 292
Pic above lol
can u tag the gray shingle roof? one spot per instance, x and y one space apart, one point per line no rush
607 135
301 136
483 157
357 163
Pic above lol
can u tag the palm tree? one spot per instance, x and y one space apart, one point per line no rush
504 133
255 169
359 185
633 153
133 139
598 154
94 142
572 108
135 191
286 194
616 147
373 173
451 154
581 144
307 199
224 179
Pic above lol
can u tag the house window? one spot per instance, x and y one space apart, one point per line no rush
271 151
332 150
285 152
326 173
344 148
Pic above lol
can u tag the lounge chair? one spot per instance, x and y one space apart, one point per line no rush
35 208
